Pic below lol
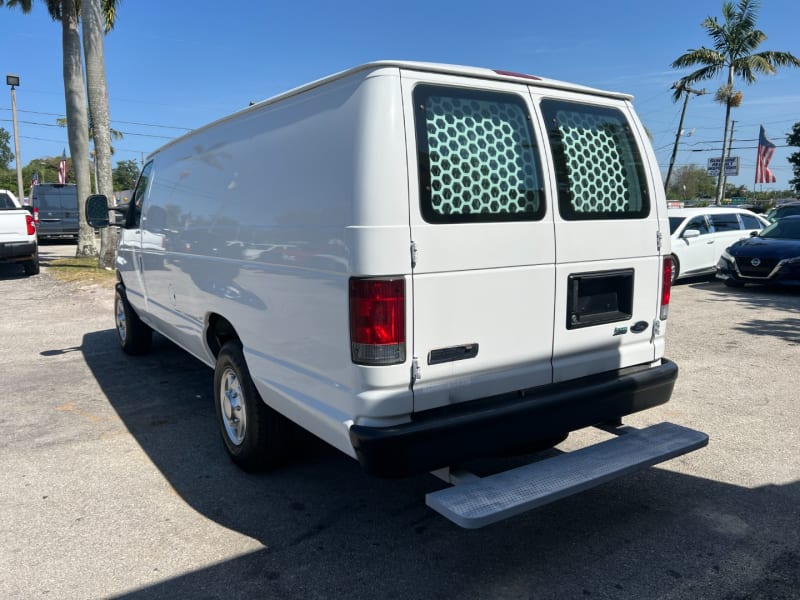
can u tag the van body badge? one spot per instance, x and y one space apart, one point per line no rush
620 330
639 326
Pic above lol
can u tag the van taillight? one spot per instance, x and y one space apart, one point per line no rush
666 287
36 215
377 321
30 224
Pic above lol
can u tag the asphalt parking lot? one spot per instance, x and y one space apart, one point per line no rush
115 482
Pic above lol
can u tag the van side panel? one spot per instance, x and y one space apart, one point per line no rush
263 219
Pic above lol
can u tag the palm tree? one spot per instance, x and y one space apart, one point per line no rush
98 19
735 41
66 11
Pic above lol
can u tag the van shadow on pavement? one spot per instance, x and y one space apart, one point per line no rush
329 530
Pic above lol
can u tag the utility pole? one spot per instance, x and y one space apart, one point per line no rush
688 91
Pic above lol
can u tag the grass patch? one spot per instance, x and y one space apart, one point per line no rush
80 270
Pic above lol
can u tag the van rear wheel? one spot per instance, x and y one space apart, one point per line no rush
254 434
134 336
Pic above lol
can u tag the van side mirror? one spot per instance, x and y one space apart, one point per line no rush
97 211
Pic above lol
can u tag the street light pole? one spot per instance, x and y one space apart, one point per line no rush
13 81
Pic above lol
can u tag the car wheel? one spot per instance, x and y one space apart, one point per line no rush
32 266
134 336
675 268
254 434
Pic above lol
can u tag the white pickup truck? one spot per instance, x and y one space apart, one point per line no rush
18 241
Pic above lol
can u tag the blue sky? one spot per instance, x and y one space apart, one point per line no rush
173 66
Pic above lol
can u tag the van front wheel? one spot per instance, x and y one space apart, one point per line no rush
254 434
134 336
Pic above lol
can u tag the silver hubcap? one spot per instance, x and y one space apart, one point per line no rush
232 405
122 324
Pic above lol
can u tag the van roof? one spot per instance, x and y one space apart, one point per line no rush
465 71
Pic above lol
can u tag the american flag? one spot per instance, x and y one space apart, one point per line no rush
765 151
62 168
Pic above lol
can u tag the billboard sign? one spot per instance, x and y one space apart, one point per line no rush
731 166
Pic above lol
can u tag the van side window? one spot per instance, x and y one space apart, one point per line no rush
135 214
477 156
599 170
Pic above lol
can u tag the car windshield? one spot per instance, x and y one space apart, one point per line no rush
785 229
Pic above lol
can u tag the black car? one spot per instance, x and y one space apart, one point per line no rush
784 210
771 256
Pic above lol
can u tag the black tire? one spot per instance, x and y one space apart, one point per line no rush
32 266
134 336
255 435
676 267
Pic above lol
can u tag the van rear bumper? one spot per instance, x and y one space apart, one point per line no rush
446 436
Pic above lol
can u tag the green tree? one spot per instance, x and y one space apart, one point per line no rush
734 43
125 174
793 139
6 155
690 182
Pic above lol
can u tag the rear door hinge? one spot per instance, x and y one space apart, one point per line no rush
658 240
415 372
413 254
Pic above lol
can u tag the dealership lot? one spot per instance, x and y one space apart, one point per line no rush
115 482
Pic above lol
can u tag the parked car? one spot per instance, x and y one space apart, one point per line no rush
784 210
55 209
699 235
771 256
18 242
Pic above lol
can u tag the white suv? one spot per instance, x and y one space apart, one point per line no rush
699 235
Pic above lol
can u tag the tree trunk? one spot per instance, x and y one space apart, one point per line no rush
94 51
720 191
77 122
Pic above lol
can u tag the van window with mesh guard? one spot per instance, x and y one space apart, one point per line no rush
477 155
598 166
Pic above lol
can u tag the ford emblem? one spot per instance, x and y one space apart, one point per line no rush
755 262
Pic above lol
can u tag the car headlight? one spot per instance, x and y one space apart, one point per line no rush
727 256
791 261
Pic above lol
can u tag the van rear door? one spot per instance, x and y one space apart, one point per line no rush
609 271
483 248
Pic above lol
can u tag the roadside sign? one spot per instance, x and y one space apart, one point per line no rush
731 166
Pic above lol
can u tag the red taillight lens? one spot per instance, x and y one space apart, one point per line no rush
36 215
377 321
30 224
666 287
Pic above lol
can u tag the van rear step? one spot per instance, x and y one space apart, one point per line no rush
478 501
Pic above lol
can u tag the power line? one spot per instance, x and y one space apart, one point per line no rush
47 114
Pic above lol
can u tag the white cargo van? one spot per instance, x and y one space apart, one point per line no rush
421 264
